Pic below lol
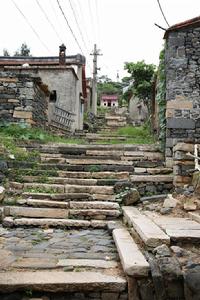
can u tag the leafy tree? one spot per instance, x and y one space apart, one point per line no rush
23 51
5 52
142 75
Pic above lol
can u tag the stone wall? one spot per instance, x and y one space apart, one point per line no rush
182 88
22 99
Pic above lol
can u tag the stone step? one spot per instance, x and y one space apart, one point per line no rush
61 148
69 197
152 171
72 204
80 161
132 259
194 216
148 231
73 180
30 212
178 229
98 214
76 168
89 263
68 174
95 175
42 203
55 281
60 197
106 190
58 223
152 178
94 205
44 187
60 180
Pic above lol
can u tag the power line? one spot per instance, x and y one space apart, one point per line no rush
75 17
60 7
98 19
52 25
26 19
162 13
92 19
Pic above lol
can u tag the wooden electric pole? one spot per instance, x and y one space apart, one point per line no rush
94 80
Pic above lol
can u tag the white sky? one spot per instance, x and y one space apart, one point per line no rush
124 30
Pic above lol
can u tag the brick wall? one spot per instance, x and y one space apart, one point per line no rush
182 89
22 99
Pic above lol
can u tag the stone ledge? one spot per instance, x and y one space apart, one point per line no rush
61 281
132 259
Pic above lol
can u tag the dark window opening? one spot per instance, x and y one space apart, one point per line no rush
53 96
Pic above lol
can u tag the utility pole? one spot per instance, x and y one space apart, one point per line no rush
94 80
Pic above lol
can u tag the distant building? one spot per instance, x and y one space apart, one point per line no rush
65 78
109 101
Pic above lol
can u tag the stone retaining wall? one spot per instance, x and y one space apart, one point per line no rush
182 88
183 164
22 99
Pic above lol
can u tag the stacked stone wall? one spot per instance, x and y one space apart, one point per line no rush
182 89
22 99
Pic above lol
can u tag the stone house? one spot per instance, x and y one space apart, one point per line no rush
109 101
182 65
65 78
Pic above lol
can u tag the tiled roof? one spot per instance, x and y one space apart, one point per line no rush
195 22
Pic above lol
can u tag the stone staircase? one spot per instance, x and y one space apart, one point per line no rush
74 185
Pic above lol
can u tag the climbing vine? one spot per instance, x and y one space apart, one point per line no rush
161 98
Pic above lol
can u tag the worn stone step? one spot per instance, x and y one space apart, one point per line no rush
89 263
70 197
60 223
43 203
78 149
99 214
152 171
94 205
60 180
76 168
148 231
43 187
178 229
60 197
98 162
151 178
194 216
55 282
108 190
132 259
30 212
95 175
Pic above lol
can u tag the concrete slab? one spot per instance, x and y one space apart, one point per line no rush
132 259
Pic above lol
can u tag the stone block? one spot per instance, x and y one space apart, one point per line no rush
184 147
2 193
22 114
180 123
179 104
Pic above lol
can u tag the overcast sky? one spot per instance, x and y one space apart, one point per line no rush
124 30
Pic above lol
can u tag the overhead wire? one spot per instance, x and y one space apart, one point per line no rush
80 31
68 25
48 20
92 19
78 26
158 1
30 25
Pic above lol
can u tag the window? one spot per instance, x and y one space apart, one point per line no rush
53 96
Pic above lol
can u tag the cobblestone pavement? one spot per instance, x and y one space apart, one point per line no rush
44 248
